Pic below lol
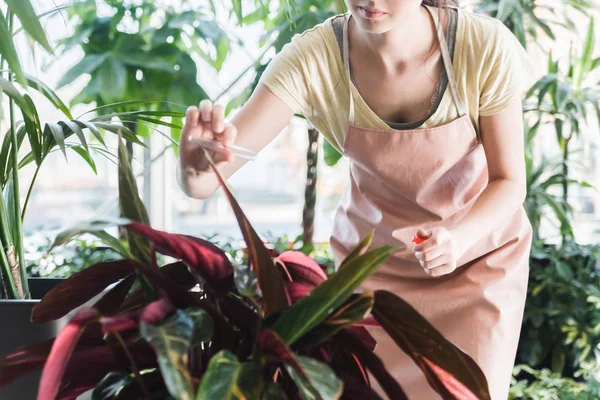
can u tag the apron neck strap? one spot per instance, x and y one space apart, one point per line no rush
446 59
346 51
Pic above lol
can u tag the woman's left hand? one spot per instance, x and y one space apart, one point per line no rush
439 252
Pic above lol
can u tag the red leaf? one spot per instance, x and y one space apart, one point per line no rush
153 313
426 345
454 386
302 268
23 361
296 290
176 272
269 278
364 335
369 321
121 322
156 311
30 358
270 344
374 364
71 393
110 303
202 257
63 347
355 389
78 289
89 366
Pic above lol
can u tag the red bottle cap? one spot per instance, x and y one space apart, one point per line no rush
417 240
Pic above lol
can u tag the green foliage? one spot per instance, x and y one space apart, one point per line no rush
561 325
172 339
153 60
547 385
522 17
66 260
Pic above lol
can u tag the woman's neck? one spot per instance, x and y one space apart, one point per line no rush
410 39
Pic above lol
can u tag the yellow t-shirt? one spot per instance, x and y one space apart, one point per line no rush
490 65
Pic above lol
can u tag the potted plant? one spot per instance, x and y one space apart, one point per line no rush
202 327
29 141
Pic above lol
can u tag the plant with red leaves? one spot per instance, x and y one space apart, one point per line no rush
205 328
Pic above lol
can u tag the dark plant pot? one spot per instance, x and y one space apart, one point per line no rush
17 331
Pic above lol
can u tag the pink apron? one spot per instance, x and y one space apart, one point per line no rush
408 179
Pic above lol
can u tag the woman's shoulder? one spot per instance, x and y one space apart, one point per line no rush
483 32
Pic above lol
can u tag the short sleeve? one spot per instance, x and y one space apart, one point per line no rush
288 75
507 70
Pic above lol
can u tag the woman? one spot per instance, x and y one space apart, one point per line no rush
424 100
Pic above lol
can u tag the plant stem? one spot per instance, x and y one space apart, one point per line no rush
134 367
37 170
20 254
565 179
10 285
310 189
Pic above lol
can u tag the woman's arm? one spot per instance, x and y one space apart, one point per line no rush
258 122
503 141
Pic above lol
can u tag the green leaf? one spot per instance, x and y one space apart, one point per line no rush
132 206
222 52
354 310
204 327
586 58
273 392
359 250
245 280
96 227
564 271
228 379
110 385
30 21
92 128
237 9
44 89
76 129
314 308
56 131
8 51
34 130
112 77
87 65
120 130
85 154
505 8
330 153
171 341
321 379
12 92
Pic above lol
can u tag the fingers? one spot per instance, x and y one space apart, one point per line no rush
441 270
191 116
218 119
206 109
436 262
229 134
438 237
192 128
431 254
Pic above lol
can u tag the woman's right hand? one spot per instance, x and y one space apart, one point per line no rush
205 122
